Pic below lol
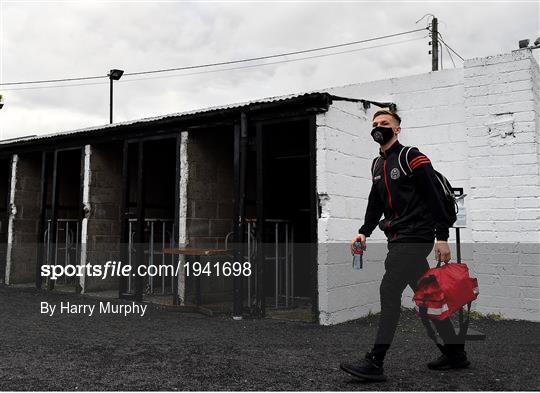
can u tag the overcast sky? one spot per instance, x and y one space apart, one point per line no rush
50 40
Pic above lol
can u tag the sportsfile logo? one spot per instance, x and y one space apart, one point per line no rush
109 269
119 269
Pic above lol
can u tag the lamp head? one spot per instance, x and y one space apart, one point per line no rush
116 74
523 43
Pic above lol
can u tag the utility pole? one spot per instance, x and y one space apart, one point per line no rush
434 45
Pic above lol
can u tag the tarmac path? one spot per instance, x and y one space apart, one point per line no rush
164 350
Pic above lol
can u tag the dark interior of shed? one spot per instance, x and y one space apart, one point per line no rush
159 179
68 176
286 176
64 236
287 190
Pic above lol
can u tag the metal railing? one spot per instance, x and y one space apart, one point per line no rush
66 244
283 259
160 235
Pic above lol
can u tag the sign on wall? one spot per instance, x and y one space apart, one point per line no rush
461 220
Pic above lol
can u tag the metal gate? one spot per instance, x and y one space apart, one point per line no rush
278 259
65 248
159 234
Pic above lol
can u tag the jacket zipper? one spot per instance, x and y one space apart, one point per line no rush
388 189
389 225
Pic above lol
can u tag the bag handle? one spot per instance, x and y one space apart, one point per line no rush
426 280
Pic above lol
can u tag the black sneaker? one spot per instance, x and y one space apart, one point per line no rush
446 362
366 368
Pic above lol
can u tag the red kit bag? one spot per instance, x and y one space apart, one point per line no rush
442 291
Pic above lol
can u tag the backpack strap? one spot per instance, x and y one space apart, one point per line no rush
403 159
374 165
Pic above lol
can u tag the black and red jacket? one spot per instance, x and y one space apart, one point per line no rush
406 190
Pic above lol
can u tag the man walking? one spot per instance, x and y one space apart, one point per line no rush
406 191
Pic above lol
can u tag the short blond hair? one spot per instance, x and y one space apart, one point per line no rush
387 112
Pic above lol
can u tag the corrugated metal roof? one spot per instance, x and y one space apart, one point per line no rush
283 98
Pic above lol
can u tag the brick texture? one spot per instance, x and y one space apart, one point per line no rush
502 103
25 219
209 204
103 225
480 127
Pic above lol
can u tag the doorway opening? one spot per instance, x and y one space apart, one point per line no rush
150 179
63 212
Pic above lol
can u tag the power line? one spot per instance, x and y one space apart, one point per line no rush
450 56
278 55
216 64
449 47
223 69
441 51
54 80
448 51
441 39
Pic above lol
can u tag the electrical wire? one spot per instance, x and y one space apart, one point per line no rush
220 70
216 64
278 55
449 47
450 55
54 80
440 49
448 51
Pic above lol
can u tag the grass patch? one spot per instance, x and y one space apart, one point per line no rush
475 316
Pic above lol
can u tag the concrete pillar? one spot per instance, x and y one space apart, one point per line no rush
209 201
5 175
182 230
86 210
102 196
23 218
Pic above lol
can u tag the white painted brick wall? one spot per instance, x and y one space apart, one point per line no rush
504 179
343 163
431 106
447 115
433 119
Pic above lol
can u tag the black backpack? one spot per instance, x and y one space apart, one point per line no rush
451 204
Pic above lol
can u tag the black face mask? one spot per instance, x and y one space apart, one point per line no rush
381 135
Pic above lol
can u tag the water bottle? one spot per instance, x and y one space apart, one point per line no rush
358 255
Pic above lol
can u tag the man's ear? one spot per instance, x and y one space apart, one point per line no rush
398 130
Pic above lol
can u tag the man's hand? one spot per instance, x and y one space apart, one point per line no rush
442 251
359 238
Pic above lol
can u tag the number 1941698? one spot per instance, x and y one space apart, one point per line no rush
218 268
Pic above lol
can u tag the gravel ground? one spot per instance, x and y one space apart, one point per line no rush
167 350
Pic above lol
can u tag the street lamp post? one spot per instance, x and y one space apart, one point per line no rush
114 75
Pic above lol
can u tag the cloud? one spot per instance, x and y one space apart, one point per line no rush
55 40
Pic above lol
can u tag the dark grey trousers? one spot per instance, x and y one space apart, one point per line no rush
405 263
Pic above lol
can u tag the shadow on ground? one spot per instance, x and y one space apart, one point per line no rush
167 350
